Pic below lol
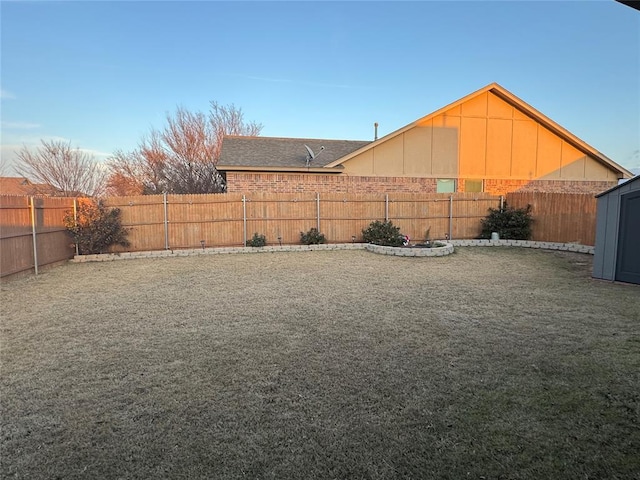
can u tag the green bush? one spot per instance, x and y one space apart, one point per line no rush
257 241
312 237
510 223
383 233
95 227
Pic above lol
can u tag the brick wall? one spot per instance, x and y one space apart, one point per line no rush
239 182
502 187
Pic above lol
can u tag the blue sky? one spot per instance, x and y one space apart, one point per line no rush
102 74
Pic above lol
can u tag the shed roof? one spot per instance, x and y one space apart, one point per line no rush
272 153
620 185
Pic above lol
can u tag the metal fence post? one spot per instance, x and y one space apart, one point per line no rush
450 217
166 221
33 233
386 207
75 220
244 220
318 211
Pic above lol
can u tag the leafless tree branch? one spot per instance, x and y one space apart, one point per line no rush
182 157
68 171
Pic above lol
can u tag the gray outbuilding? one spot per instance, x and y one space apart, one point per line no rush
617 252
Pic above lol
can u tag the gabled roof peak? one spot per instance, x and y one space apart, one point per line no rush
504 94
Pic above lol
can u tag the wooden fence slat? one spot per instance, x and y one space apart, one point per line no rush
559 217
16 238
217 219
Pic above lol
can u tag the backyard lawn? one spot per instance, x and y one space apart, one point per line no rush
491 363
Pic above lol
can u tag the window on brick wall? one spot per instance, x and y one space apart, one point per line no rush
473 186
446 185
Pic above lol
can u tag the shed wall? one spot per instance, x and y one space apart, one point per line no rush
604 258
607 230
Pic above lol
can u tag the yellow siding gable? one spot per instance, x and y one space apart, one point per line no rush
482 137
418 147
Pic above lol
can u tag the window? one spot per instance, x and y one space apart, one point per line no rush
446 185
473 186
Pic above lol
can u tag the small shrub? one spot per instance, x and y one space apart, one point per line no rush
383 233
257 241
96 228
510 223
312 237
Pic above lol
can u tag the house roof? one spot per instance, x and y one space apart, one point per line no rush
516 102
282 154
24 186
620 185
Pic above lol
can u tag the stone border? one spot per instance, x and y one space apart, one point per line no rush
447 249
567 247
106 257
396 251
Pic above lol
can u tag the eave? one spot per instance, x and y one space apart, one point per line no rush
625 184
272 169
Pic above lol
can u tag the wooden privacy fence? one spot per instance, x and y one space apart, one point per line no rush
560 217
186 221
32 233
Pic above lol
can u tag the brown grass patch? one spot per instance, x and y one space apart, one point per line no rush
492 362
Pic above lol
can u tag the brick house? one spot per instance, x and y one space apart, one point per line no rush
24 187
489 141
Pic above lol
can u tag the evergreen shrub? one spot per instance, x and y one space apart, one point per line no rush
312 237
510 223
383 233
95 227
257 241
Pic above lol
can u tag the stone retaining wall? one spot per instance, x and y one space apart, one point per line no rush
409 252
569 247
105 257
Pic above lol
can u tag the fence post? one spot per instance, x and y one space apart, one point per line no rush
244 220
501 202
450 217
166 221
75 220
318 211
386 207
33 233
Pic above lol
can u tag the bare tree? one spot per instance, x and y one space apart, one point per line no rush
121 185
182 157
229 120
67 171
135 173
4 167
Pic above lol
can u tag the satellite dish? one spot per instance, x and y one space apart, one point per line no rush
311 155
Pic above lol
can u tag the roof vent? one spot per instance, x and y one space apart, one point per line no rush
310 155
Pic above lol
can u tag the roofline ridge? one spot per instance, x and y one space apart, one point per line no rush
260 137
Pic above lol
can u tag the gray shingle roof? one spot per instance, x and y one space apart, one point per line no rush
283 152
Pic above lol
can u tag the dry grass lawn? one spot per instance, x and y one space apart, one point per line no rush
489 363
